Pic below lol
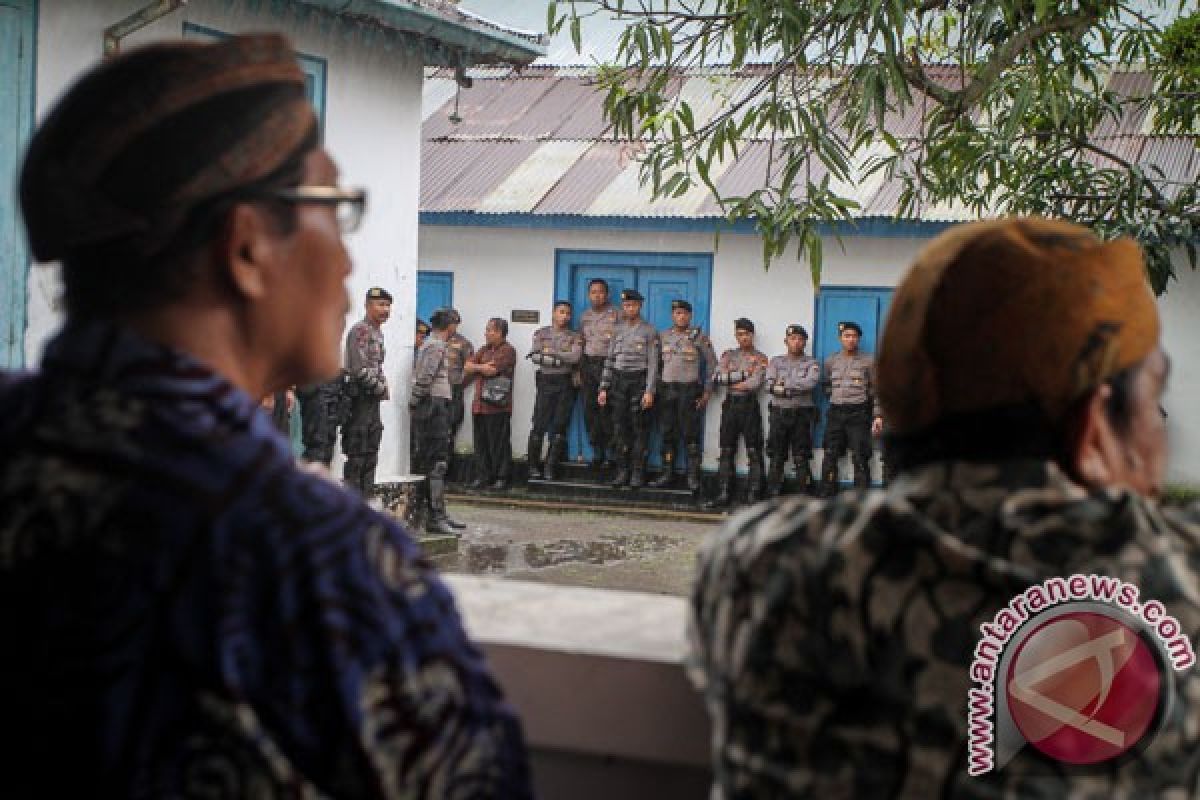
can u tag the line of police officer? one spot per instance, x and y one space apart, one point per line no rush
625 369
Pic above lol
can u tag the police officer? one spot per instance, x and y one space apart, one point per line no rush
368 386
556 351
849 380
429 407
627 388
741 370
683 394
458 350
790 381
597 324
419 336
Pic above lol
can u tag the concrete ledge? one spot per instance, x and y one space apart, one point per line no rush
597 678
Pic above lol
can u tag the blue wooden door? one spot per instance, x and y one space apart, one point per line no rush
16 114
660 277
866 306
434 290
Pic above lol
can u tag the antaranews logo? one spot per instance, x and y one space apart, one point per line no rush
1075 667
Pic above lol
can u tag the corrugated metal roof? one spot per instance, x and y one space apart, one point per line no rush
585 179
535 142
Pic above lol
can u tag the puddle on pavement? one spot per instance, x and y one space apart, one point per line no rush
476 558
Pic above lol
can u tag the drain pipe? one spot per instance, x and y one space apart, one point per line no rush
113 34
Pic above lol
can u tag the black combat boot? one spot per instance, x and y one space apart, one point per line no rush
724 480
862 473
598 463
622 477
754 477
667 476
637 478
775 478
804 479
829 477
534 457
554 455
695 462
438 522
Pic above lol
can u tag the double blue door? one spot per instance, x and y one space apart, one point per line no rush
868 306
660 277
16 115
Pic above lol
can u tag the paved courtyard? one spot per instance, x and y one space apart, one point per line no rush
577 548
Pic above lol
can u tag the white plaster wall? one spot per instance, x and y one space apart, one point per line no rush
499 269
1180 308
372 128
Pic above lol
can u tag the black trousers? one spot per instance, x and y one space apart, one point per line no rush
631 423
848 426
431 432
493 446
318 419
360 442
553 405
791 430
596 418
678 415
741 416
457 412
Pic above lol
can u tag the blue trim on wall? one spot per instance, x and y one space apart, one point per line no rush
876 226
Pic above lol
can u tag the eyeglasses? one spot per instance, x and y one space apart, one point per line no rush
349 204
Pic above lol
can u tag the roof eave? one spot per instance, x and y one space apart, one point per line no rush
449 42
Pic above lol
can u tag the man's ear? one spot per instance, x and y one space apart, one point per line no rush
248 250
1095 449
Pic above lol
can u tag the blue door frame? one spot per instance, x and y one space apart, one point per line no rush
17 58
660 277
866 305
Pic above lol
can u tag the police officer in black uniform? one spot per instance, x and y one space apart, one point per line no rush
364 356
628 386
683 392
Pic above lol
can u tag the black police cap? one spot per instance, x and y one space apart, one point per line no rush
743 324
631 294
379 293
851 326
684 304
796 329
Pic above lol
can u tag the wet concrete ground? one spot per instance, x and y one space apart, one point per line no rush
577 548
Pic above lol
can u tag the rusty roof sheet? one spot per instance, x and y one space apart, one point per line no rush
537 142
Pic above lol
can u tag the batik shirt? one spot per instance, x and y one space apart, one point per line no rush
185 613
833 639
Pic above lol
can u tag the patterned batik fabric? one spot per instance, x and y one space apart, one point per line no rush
832 639
185 613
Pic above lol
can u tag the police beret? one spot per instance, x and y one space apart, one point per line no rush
853 326
422 326
684 304
796 329
631 294
376 293
743 324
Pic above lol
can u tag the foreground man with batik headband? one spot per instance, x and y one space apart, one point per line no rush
1021 375
183 612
